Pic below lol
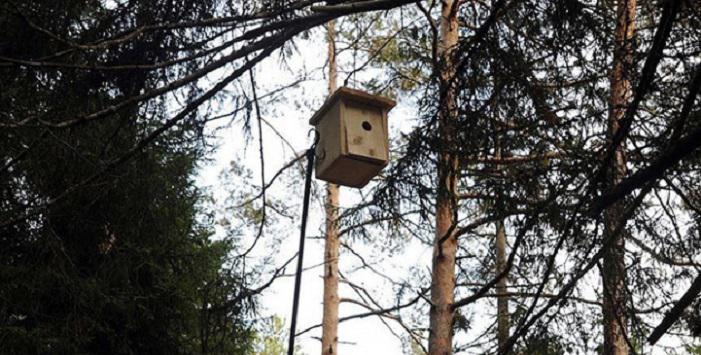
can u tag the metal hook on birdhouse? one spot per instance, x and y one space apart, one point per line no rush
316 137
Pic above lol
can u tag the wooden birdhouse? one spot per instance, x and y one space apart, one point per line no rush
353 142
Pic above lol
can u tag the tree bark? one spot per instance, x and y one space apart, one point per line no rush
329 330
500 242
614 272
440 341
502 294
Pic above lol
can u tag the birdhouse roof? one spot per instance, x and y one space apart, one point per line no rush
346 93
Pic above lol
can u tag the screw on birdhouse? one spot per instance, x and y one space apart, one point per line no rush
354 139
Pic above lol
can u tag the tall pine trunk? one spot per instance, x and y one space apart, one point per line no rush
440 341
503 299
329 330
503 318
614 272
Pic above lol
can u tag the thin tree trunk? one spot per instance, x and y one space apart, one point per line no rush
329 330
503 320
614 272
503 298
440 341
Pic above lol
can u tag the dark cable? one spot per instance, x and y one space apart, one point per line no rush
300 256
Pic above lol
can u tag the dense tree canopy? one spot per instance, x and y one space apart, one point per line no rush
118 262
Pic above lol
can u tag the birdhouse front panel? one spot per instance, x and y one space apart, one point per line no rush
353 144
366 132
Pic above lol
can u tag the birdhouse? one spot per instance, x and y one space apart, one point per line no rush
353 144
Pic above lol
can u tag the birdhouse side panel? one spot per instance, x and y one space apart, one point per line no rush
365 132
331 141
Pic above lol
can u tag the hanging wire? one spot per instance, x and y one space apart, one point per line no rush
303 230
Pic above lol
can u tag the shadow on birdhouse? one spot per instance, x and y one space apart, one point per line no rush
353 142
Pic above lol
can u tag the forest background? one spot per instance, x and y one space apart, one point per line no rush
542 197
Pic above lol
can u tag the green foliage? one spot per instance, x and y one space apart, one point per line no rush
415 348
399 46
103 259
272 339
542 344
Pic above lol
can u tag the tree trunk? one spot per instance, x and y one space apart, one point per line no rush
502 300
440 341
500 245
614 272
329 329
